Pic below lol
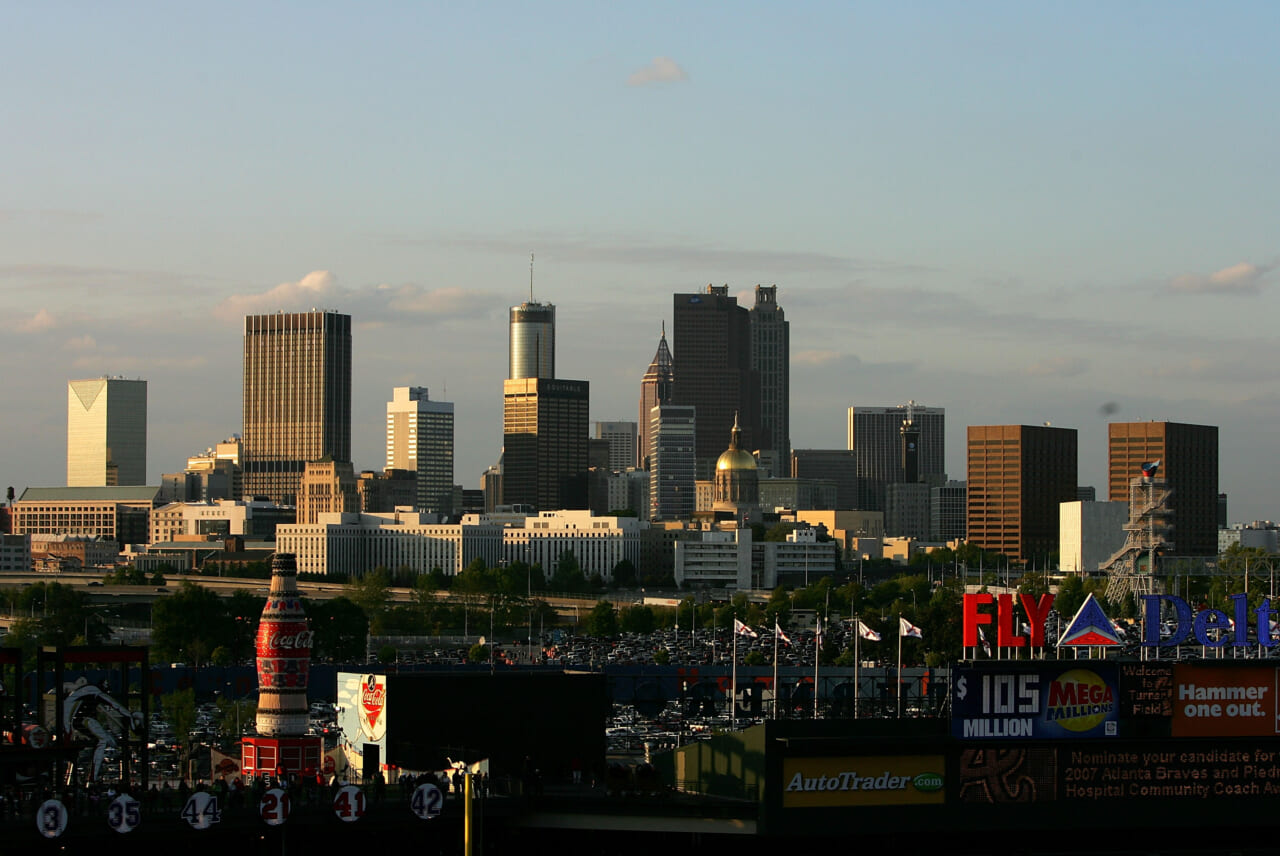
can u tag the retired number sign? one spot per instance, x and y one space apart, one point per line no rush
274 808
348 804
427 801
124 813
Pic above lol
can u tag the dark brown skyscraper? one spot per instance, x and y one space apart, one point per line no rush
711 338
655 389
1018 474
1189 463
771 358
297 398
545 439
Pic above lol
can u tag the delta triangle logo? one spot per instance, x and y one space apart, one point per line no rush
1090 627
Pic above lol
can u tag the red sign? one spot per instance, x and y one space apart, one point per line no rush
1008 635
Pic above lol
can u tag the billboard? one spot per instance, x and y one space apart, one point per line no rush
362 714
867 780
1222 701
1045 701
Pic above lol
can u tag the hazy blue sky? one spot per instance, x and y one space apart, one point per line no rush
1016 211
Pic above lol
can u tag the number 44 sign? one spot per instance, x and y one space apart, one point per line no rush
201 810
427 801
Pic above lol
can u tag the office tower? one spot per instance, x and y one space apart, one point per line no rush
533 340
948 510
879 438
672 438
420 439
1018 475
1189 464
106 432
327 487
545 439
771 359
711 337
655 389
839 465
622 443
297 398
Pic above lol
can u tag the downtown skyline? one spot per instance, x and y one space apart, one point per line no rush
1020 215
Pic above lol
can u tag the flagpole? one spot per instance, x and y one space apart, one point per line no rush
817 654
897 690
733 680
857 663
775 667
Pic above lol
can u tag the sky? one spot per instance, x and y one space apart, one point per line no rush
1021 212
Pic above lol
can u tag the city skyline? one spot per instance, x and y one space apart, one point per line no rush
1023 215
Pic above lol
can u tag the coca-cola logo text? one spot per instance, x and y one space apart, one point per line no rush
297 641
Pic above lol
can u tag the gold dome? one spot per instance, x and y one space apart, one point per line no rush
736 459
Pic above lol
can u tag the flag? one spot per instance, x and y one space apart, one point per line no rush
986 646
906 628
867 633
782 637
742 629
817 632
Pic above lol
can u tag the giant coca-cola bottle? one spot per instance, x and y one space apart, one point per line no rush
284 654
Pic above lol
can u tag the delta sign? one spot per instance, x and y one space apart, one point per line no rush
1091 627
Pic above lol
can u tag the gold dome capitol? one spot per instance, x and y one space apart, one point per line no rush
735 458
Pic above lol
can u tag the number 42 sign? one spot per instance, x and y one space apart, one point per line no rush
427 801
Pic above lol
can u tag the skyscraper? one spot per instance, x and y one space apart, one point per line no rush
771 359
711 335
420 439
655 389
106 432
1189 463
622 443
1018 475
672 488
533 340
878 436
544 442
297 398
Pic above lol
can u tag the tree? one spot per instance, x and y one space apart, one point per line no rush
478 653
568 575
602 621
624 574
180 711
387 654
189 624
340 629
755 658
779 532
371 592
638 619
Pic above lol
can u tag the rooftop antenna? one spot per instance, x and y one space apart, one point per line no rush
531 277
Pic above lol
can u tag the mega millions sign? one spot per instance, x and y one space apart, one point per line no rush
1167 621
1049 701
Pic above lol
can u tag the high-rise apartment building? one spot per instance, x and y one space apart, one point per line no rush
711 338
771 359
106 432
880 438
655 389
420 439
545 436
297 398
622 443
533 340
1018 475
672 436
1189 463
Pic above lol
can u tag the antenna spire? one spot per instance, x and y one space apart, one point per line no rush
530 277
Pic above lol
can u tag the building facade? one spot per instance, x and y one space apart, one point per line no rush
420 439
878 437
948 512
121 514
621 437
297 398
1189 463
545 437
672 440
1090 532
1018 476
711 339
839 465
533 341
106 432
771 359
655 389
327 487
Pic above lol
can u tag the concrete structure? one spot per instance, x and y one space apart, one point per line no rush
121 514
420 440
1089 533
1189 463
597 543
629 490
297 398
214 474
859 534
73 552
876 437
106 432
671 454
1259 535
796 493
544 457
387 490
15 554
356 544
622 443
711 339
219 519
717 559
533 341
798 561
1018 475
906 510
840 465
771 360
327 487
948 511
655 389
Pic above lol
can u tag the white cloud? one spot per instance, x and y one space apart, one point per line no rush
663 69
81 343
38 323
317 289
1240 278
816 357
